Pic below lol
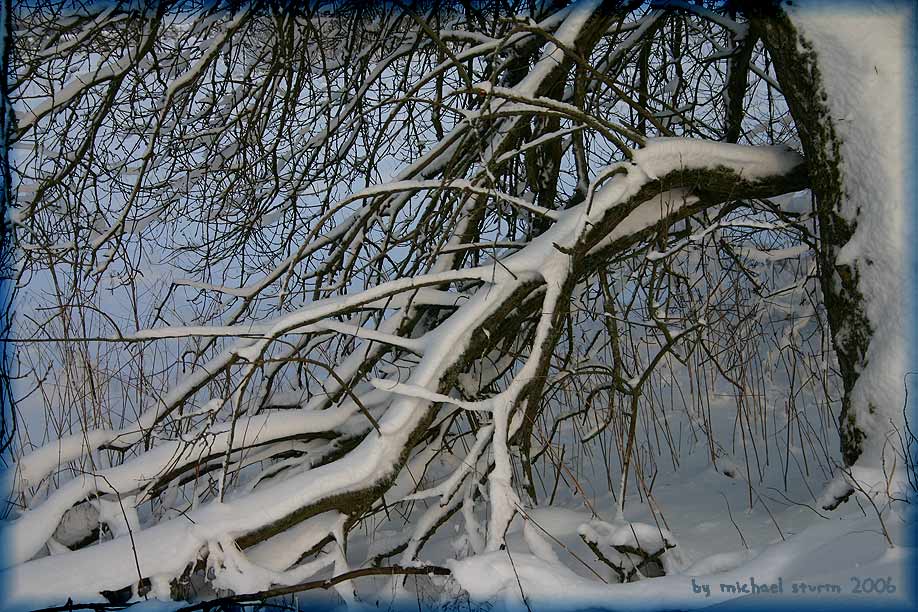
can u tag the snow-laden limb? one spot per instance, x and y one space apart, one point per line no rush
430 396
80 83
166 548
320 310
664 155
28 533
41 462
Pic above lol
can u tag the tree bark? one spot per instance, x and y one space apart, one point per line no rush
797 68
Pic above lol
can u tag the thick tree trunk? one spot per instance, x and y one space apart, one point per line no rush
840 206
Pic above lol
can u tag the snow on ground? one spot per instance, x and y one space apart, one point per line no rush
815 550
786 541
796 543
863 51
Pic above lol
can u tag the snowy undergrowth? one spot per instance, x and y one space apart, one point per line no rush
719 540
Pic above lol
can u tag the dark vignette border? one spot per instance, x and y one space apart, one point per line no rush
748 604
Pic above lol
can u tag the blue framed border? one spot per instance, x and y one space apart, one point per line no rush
7 122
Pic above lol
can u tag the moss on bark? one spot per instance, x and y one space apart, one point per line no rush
797 68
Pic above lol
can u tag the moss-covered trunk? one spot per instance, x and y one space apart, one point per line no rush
798 72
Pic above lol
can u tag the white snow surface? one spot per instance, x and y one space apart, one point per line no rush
493 576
